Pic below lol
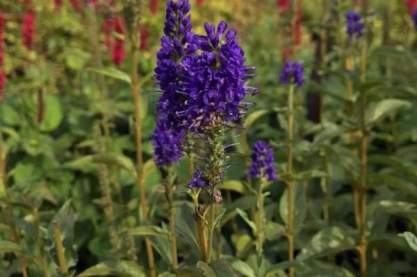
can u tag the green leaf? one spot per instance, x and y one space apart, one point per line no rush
108 158
246 218
114 73
299 205
233 185
53 113
120 269
411 239
384 107
8 246
241 267
274 230
9 115
206 269
327 241
251 118
148 231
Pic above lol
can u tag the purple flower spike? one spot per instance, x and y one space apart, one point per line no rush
293 72
167 144
175 44
263 165
199 181
354 24
214 80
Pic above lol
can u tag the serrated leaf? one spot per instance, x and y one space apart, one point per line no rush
108 158
246 218
326 241
411 239
8 246
206 269
233 185
113 72
251 118
120 269
385 107
148 231
53 113
299 205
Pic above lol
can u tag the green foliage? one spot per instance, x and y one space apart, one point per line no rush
70 180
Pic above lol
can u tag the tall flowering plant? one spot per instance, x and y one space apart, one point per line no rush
292 75
203 84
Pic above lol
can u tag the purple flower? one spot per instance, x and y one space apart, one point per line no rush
354 24
199 181
174 45
167 144
415 18
263 165
293 72
214 79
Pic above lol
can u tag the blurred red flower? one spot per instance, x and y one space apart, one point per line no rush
58 4
118 49
200 2
2 21
153 6
107 29
28 29
76 5
144 37
284 5
411 5
2 83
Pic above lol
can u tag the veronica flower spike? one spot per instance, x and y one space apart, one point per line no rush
263 165
293 73
354 24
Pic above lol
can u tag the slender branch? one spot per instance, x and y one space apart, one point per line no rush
136 91
60 251
290 183
363 155
169 195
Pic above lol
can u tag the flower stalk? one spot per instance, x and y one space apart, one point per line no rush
290 182
363 155
137 96
169 195
60 251
215 174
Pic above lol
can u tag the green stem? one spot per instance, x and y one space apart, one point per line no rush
290 183
216 158
137 95
260 221
169 195
363 155
60 250
325 186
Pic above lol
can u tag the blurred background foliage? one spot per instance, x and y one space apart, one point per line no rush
67 142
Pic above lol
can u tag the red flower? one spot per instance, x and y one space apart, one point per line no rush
107 29
144 37
284 5
58 4
76 5
27 3
153 6
92 3
297 24
28 29
411 5
2 83
200 2
1 39
118 49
